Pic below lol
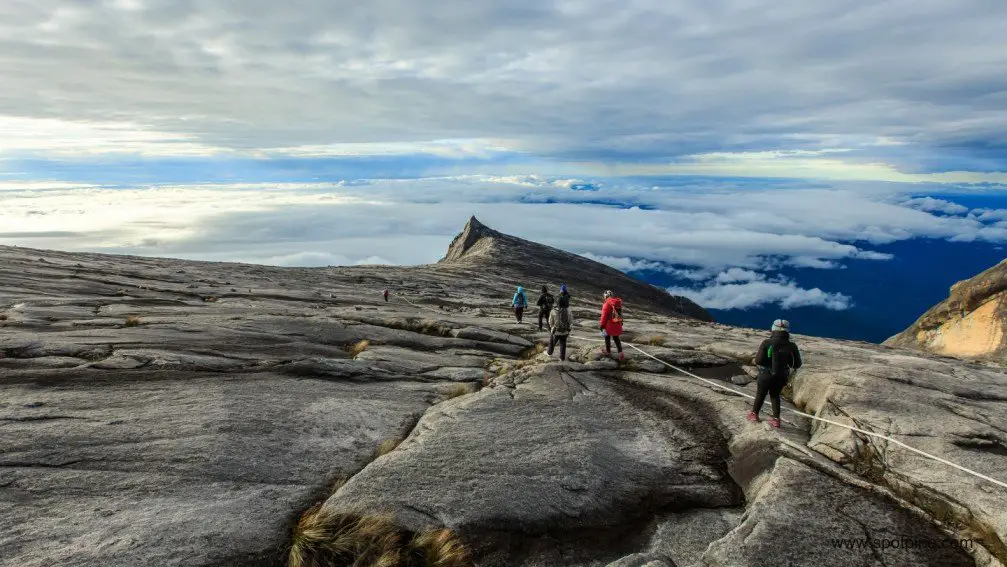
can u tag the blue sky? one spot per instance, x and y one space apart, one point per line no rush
758 137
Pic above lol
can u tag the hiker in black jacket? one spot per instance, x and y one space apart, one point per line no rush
545 302
776 358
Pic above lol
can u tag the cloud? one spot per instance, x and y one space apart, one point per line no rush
735 275
758 293
988 215
673 228
931 205
819 90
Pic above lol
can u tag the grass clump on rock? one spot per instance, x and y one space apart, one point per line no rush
359 347
457 391
132 321
328 539
387 446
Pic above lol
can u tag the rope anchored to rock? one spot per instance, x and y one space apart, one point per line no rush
713 384
814 417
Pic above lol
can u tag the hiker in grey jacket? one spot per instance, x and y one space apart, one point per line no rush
560 323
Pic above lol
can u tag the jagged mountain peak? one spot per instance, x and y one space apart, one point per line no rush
531 264
473 232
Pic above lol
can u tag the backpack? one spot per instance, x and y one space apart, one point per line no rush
781 359
549 301
616 316
561 324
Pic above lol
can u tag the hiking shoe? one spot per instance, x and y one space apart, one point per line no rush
622 356
775 422
606 352
752 416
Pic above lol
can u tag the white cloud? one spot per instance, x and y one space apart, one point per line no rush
735 275
686 232
816 263
305 259
440 148
757 293
584 82
989 215
931 205
65 137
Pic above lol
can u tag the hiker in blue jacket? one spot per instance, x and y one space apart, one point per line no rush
777 357
519 303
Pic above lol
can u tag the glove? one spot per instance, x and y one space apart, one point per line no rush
603 333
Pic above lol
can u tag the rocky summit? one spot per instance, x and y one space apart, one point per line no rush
178 413
971 323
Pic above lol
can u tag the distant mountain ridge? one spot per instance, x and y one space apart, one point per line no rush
481 248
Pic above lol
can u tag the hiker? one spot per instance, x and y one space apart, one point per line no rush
776 358
545 303
559 324
519 303
611 323
385 295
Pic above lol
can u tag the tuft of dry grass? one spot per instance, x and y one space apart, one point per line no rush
440 548
132 321
457 391
359 347
387 446
210 299
325 538
656 340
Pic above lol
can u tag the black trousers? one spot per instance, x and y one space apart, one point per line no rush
543 314
518 313
553 340
767 384
608 343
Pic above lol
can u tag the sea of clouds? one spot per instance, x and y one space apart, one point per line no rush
724 239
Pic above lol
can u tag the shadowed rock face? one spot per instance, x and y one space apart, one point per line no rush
970 323
166 412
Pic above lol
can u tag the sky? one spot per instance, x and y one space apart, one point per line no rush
724 142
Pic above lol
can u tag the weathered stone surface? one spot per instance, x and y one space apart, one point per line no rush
177 469
477 334
741 380
642 560
199 433
559 451
801 517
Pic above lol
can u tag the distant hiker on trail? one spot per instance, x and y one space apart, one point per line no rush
519 303
611 323
545 303
776 358
559 325
385 295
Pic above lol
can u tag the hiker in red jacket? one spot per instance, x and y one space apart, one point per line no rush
611 324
